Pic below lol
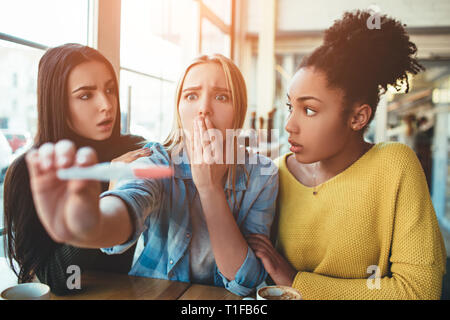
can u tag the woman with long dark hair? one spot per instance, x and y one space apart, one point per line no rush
355 219
77 100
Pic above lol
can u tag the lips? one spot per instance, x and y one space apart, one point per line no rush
295 147
105 122
105 125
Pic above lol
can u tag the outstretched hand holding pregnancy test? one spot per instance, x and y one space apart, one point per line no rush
70 210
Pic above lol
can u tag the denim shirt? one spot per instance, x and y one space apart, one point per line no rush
160 213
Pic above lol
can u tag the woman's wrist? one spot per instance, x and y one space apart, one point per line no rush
210 190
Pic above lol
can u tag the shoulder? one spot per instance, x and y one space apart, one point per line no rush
282 164
393 161
261 168
17 181
159 154
17 170
395 154
281 161
132 141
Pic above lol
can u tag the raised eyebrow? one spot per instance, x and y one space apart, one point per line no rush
85 88
92 87
192 88
221 89
109 81
301 99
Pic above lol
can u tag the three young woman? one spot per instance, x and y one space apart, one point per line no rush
77 100
193 224
355 219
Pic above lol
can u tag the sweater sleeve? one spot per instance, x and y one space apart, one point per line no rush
417 258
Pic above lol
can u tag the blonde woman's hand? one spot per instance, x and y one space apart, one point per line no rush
281 272
130 157
208 169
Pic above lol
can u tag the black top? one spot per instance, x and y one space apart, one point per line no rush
54 260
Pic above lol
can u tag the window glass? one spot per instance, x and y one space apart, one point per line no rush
48 22
214 40
222 9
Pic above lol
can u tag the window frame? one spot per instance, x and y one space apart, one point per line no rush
92 15
208 14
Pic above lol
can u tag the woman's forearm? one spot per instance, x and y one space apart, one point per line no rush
228 244
114 226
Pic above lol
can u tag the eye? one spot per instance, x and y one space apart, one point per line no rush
85 96
111 90
222 97
289 105
309 112
191 96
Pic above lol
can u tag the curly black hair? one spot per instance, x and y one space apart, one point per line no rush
362 61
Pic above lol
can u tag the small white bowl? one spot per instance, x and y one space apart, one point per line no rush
27 291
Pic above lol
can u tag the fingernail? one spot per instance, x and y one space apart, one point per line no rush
82 157
46 164
62 161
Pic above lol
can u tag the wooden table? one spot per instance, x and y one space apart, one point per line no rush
112 286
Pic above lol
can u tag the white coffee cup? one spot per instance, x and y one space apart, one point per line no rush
27 291
278 293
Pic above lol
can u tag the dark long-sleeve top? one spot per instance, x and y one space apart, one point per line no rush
53 258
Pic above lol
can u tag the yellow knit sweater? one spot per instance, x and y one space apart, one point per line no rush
374 219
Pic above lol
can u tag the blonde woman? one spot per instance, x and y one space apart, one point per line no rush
193 224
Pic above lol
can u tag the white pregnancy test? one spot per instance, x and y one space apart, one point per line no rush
114 171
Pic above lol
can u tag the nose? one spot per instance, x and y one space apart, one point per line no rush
291 125
104 103
205 107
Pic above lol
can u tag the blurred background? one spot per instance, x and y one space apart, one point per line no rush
150 41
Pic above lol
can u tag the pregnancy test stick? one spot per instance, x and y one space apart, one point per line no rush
114 171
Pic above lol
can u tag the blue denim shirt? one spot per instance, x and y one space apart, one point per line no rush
160 212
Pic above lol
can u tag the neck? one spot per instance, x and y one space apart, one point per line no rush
352 151
106 150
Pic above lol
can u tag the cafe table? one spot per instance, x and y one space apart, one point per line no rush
112 286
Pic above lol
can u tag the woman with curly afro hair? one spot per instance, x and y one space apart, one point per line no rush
355 219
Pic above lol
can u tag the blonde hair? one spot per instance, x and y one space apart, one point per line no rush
235 83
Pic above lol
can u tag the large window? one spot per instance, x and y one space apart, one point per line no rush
158 38
27 28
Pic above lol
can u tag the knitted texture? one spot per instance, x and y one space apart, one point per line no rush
374 219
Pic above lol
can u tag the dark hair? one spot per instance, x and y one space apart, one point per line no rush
26 240
362 61
52 103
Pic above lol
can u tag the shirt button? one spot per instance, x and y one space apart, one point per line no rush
171 261
188 235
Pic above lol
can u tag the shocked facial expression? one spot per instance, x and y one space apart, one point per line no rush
93 100
205 93
316 124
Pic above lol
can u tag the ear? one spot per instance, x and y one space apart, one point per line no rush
360 117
